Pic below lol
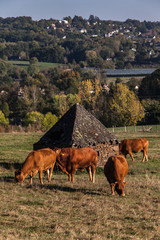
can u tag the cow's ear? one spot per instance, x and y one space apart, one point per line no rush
58 151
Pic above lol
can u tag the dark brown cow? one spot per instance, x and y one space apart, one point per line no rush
71 159
115 170
127 146
37 161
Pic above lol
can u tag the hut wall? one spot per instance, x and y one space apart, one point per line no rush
105 150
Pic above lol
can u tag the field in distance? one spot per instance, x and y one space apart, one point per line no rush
40 65
83 210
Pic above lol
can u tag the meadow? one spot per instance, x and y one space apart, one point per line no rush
83 210
40 65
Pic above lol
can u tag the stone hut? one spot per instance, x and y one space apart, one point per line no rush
78 128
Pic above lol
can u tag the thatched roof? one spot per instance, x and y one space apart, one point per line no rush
77 128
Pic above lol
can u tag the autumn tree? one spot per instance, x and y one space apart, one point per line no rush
69 81
89 92
124 108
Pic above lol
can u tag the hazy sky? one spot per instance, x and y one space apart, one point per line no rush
120 10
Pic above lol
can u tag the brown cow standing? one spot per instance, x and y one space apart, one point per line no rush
115 170
37 161
71 159
127 146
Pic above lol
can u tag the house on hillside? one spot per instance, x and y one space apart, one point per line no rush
78 128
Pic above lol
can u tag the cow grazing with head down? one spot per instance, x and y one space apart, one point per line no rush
115 170
71 159
37 161
129 146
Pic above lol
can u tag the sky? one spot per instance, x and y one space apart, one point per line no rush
119 10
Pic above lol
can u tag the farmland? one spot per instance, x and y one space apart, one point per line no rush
40 65
62 210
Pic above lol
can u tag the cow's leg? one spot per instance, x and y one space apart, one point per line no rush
40 176
93 173
146 156
69 177
33 173
130 153
112 188
51 170
72 175
143 156
31 176
89 172
48 174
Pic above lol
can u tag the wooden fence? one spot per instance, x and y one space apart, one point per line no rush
142 128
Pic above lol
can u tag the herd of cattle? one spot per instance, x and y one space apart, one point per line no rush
71 159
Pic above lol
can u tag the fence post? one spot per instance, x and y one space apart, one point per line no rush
125 129
113 129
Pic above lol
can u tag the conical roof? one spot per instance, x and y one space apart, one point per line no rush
78 128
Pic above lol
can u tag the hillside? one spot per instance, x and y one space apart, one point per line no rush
89 42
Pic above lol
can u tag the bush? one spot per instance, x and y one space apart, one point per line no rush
3 121
49 120
34 119
38 121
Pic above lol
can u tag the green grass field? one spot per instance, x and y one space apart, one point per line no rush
83 210
40 65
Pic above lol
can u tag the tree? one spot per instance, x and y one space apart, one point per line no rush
150 85
31 96
91 56
34 119
72 99
152 111
124 108
3 121
89 92
69 82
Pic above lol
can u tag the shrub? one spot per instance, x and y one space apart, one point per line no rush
34 119
49 120
3 121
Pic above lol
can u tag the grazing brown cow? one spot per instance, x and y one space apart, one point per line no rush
37 161
127 146
71 159
115 170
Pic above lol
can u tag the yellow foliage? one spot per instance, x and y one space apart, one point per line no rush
125 108
89 91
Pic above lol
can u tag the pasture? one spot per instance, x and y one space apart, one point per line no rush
83 210
40 65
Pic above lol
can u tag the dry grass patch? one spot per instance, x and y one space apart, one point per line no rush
79 211
83 210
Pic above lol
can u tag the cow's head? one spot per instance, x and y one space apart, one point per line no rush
57 150
119 187
19 177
